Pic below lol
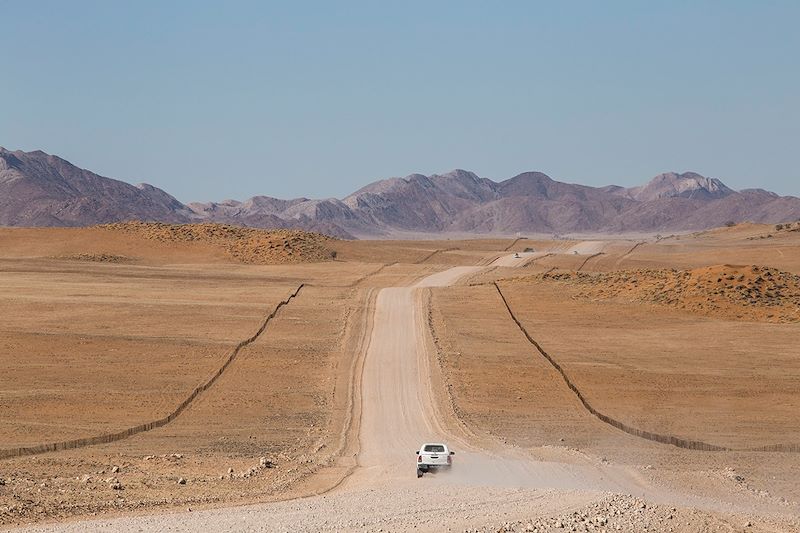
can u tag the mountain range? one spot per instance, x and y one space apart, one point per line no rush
38 189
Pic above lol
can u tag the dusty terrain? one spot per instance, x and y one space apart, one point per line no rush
246 245
747 292
388 344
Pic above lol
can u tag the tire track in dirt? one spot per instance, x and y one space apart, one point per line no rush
107 438
513 244
349 436
439 349
688 444
588 259
342 460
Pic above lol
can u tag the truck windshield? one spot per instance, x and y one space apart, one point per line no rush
435 448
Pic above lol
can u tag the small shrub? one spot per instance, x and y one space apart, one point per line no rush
730 224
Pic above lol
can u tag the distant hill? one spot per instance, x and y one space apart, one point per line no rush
37 189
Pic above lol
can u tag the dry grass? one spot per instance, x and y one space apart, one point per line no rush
246 245
127 320
744 244
97 258
739 292
660 369
98 347
93 354
496 383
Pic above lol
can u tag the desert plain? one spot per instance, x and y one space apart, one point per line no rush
205 376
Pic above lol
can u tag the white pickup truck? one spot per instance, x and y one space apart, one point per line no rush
433 455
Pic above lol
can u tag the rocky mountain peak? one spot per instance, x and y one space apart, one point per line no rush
686 185
8 166
527 184
37 189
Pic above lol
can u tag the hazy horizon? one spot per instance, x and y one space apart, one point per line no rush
210 101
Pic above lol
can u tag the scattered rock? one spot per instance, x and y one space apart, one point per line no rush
614 513
760 293
181 481
247 245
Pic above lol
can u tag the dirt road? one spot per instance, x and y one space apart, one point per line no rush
399 412
489 484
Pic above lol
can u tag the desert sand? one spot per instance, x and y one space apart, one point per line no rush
310 369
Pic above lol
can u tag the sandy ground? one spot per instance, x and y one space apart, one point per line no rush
398 411
378 354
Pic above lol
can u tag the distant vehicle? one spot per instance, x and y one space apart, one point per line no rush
432 456
516 255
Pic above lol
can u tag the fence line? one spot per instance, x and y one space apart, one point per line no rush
439 250
688 444
589 259
106 438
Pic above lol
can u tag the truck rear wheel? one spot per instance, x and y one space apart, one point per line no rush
419 472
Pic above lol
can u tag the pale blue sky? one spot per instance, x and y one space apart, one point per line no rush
214 100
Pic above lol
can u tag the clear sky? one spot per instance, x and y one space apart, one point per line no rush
215 100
